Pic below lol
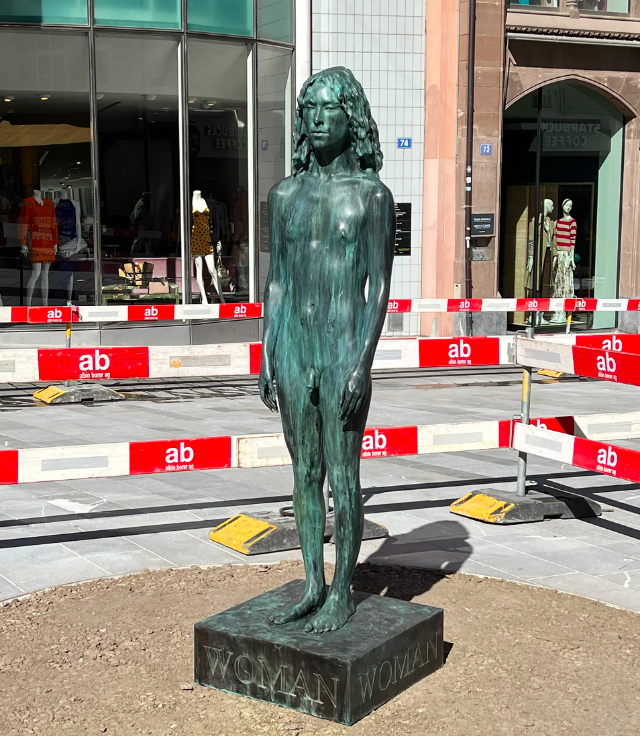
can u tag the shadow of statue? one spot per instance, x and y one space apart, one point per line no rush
408 565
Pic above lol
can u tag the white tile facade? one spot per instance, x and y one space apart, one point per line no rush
383 43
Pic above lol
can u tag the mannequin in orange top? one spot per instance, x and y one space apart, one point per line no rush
39 241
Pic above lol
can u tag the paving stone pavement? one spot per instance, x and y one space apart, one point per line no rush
65 532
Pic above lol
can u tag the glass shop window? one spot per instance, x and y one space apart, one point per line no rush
218 171
232 17
275 103
275 20
137 13
534 3
576 251
604 6
138 145
63 12
46 194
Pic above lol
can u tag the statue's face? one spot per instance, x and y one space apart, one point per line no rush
567 207
326 122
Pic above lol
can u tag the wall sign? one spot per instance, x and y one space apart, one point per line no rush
403 230
404 142
483 225
486 149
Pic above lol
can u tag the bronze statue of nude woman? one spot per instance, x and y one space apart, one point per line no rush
332 227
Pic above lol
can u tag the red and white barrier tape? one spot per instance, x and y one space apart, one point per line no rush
167 312
606 364
619 462
253 451
28 365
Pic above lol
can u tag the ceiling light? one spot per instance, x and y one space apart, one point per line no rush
100 96
44 96
9 98
192 100
211 103
150 98
78 163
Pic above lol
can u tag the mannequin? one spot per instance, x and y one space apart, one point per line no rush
202 248
546 240
39 241
564 261
69 236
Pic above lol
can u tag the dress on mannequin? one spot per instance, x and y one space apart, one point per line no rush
70 242
202 248
564 263
39 240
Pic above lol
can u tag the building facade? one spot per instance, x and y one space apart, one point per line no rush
555 113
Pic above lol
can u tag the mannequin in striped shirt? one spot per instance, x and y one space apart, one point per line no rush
564 261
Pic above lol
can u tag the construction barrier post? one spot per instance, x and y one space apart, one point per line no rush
525 415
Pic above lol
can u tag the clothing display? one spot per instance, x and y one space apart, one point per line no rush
546 242
563 275
66 217
240 216
201 244
39 229
566 231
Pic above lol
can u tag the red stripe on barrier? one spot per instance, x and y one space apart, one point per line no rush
464 305
151 312
170 456
8 466
399 305
633 305
607 365
532 305
615 343
564 425
619 462
381 442
240 311
44 315
93 363
255 358
580 305
440 352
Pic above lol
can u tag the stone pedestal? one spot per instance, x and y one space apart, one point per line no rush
387 646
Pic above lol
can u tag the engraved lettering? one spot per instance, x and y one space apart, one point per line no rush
271 679
243 675
388 676
432 646
215 657
301 684
322 685
367 681
417 657
401 670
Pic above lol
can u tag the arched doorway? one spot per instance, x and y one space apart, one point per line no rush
581 155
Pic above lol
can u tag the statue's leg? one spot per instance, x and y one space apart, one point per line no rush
302 422
342 447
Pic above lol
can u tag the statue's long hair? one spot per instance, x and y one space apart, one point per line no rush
365 142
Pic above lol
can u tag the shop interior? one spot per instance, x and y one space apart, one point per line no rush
578 208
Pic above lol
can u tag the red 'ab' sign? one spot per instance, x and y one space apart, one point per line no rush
607 365
240 311
93 363
459 351
390 441
167 456
151 312
620 462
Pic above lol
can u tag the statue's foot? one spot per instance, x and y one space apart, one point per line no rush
310 602
332 616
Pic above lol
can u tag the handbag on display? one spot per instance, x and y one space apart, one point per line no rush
72 247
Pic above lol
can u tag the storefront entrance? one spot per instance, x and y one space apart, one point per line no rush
577 174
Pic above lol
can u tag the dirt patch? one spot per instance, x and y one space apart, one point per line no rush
116 657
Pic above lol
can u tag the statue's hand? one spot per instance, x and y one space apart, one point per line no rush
354 393
267 389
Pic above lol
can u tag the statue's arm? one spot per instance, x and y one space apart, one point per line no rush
274 292
379 246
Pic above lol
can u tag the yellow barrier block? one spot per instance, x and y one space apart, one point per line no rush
48 394
240 532
481 507
550 373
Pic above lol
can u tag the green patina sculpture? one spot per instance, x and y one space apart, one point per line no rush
332 229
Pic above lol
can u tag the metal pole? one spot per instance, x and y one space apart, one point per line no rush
95 163
468 189
525 410
68 338
183 132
